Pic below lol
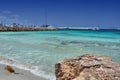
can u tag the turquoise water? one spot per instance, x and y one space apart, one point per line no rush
39 51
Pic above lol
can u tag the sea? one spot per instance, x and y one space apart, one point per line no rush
38 51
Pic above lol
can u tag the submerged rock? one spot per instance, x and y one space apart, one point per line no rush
9 69
87 67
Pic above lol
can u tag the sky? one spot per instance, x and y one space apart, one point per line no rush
61 13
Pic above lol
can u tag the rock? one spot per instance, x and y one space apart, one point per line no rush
9 69
87 67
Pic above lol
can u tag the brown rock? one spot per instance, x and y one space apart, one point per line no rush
9 69
88 67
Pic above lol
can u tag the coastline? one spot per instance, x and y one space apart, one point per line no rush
22 74
18 29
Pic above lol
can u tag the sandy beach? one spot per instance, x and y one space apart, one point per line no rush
20 74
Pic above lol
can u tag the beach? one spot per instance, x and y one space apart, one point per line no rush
20 74
35 35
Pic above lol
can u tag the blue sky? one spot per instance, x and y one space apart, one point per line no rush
105 13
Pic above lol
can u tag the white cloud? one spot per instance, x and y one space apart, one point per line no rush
7 17
6 12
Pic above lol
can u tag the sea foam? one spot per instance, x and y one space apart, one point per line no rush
33 69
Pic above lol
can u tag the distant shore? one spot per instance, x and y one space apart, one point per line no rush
49 28
15 29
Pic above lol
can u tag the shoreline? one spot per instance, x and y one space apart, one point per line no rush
22 74
34 70
17 28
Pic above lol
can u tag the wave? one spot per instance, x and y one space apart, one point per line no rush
33 69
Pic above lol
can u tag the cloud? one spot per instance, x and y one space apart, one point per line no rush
6 12
8 17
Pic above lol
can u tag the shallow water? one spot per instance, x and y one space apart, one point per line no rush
40 50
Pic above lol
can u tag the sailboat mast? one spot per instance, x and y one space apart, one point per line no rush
45 17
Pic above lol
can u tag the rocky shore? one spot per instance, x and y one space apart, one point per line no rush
87 67
15 29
